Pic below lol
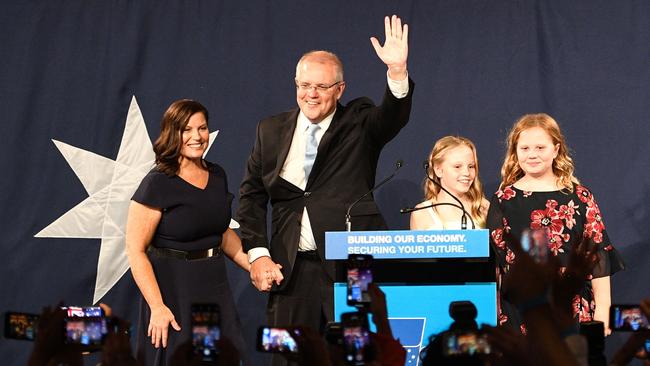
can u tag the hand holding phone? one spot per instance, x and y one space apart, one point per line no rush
356 338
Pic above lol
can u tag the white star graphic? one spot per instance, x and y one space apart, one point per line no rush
110 185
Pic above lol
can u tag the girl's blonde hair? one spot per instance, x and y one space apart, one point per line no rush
436 157
562 165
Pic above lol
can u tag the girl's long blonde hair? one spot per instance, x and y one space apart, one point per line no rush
436 157
562 165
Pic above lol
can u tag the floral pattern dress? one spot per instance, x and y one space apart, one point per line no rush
566 217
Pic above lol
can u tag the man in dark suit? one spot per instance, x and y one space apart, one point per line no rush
312 163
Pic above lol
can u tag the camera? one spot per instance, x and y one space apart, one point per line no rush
463 343
206 330
276 340
359 276
20 326
356 338
627 318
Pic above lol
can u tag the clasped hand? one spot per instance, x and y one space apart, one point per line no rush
264 272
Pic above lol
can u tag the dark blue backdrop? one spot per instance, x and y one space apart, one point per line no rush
68 70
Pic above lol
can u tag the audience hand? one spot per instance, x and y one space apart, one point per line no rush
512 345
312 349
379 310
634 345
117 345
50 346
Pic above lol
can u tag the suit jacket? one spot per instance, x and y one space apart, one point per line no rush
343 171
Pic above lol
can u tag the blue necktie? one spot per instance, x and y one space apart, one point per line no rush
311 148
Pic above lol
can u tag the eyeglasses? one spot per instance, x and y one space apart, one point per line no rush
321 88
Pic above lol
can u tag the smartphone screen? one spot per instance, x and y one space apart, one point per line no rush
359 277
206 330
356 338
275 340
627 318
85 326
87 331
20 326
468 343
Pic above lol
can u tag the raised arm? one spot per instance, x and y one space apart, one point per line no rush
141 225
394 52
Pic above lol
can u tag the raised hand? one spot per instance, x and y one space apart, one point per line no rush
394 52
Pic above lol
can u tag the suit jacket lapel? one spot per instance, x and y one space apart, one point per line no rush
284 141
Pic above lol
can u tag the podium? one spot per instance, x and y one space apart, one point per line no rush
421 273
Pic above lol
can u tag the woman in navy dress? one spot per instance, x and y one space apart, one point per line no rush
540 194
176 235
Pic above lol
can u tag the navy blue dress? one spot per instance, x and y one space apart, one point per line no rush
192 219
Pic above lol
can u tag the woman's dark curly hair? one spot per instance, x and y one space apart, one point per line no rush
168 145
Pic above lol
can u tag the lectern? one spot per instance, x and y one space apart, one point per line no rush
421 273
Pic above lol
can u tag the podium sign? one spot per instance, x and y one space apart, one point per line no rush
421 272
408 244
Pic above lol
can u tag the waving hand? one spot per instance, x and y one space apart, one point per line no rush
394 52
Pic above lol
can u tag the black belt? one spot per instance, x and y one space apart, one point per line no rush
308 254
188 255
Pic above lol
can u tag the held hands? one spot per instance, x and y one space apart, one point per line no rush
161 319
264 272
394 53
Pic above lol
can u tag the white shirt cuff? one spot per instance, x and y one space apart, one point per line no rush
399 88
255 253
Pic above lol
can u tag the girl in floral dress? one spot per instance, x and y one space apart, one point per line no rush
539 193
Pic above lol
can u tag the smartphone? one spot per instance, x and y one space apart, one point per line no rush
20 326
356 338
359 277
83 311
627 318
206 330
464 343
275 340
535 242
334 333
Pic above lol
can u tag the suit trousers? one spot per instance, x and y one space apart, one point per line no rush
307 300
